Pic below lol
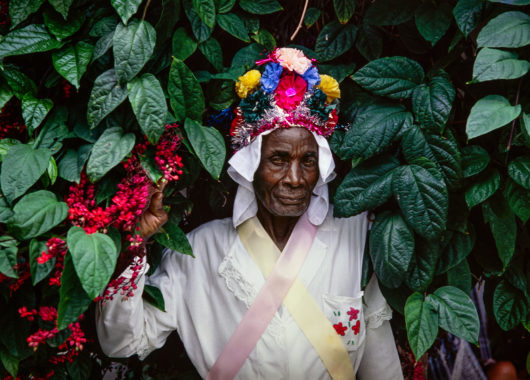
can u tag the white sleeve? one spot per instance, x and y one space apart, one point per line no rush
380 358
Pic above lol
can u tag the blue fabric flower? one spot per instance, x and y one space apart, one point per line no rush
271 77
312 77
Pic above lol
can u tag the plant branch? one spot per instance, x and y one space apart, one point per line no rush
513 122
145 9
301 20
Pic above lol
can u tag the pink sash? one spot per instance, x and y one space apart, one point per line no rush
268 300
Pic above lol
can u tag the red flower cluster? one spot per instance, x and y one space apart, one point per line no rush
56 248
67 89
11 123
166 158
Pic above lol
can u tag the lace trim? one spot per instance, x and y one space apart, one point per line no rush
235 282
376 319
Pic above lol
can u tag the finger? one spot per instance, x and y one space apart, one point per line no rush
157 204
161 184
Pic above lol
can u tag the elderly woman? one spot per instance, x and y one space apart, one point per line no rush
274 292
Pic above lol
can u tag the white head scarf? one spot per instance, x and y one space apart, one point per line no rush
244 164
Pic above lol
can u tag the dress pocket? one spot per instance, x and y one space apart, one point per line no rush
346 316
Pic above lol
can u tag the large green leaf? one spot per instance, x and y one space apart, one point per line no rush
311 16
22 166
519 170
30 39
37 213
8 256
5 211
458 246
509 306
106 95
493 64
489 113
365 187
154 296
72 61
19 10
73 300
209 146
344 9
224 6
19 82
433 20
385 12
395 77
149 105
509 29
39 271
334 40
369 42
423 199
483 188
231 23
213 52
185 92
182 44
206 11
519 200
432 102
391 248
421 320
422 265
125 8
94 257
173 238
60 27
5 94
460 277
200 30
10 362
62 6
102 46
34 110
132 46
503 226
474 160
265 38
468 14
108 151
260 7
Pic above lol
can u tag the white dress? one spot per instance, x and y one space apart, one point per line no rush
206 297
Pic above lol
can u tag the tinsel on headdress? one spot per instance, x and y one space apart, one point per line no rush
290 92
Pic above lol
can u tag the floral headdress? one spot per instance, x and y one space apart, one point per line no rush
290 92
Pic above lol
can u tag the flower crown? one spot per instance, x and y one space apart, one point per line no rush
290 92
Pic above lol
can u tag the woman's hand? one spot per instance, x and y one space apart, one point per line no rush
154 217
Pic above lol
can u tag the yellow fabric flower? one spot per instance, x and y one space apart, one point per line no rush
330 87
247 83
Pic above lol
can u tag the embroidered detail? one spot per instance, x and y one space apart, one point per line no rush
235 282
356 328
376 318
353 313
340 329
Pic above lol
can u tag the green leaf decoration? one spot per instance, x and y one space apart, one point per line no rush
334 40
344 9
365 187
20 10
422 265
503 227
468 14
37 213
21 168
456 312
493 64
385 12
39 271
8 256
60 27
35 110
211 49
458 246
421 320
173 238
519 170
208 144
72 61
433 21
432 102
311 16
395 77
474 160
391 248
519 200
62 6
509 306
232 24
149 105
106 95
185 92
490 113
224 6
132 46
30 39
200 30
260 7
483 188
423 199
509 30
182 44
460 277
369 42
108 151
154 296
94 257
206 11
125 8
73 300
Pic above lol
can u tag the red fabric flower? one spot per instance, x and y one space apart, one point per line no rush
340 329
290 91
353 313
356 328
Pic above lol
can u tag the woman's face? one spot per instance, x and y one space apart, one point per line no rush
288 171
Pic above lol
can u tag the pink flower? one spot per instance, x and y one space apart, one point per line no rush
356 328
293 60
353 313
290 91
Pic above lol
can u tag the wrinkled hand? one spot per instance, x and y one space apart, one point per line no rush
154 217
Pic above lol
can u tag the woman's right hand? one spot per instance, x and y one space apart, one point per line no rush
154 217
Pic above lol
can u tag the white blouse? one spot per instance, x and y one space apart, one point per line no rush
207 296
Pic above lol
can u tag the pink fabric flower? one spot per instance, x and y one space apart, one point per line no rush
293 60
353 313
290 91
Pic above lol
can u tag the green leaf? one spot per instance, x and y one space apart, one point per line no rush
423 199
106 95
211 49
102 46
232 24
21 168
8 256
265 38
149 105
19 82
422 324
154 296
61 6
433 21
395 77
483 188
503 227
460 277
525 124
385 12
209 146
337 71
369 42
108 151
5 211
509 29
39 271
311 16
224 6
60 27
456 312
468 14
200 30
19 10
391 248
185 92
125 8
519 170
132 45
344 9
5 145
458 245
73 300
182 45
147 160
30 39
245 58
94 257
519 200
260 7
493 64
71 62
422 265
474 160
447 156
206 11
37 213
52 170
509 306
35 110
432 102
334 40
9 362
490 113
5 94
365 187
